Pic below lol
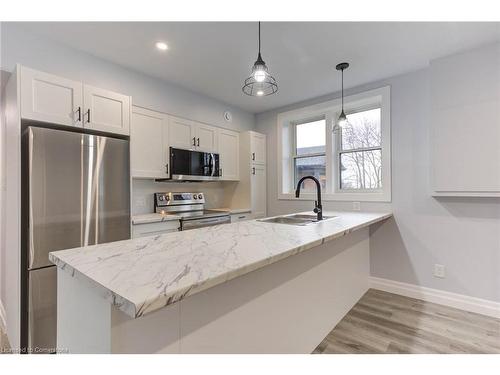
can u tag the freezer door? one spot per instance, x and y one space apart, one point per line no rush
42 312
106 190
54 173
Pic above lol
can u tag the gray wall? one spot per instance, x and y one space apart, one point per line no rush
461 233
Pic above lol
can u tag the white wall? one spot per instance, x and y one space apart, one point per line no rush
461 233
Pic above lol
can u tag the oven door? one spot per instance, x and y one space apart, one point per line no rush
207 222
194 165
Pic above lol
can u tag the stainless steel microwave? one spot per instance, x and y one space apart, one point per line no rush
190 165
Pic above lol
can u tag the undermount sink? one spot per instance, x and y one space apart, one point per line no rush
295 219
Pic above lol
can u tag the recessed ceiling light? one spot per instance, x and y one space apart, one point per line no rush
260 93
161 46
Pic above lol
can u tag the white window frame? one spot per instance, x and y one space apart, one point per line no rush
377 98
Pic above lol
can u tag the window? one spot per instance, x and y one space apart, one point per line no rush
360 151
352 163
309 156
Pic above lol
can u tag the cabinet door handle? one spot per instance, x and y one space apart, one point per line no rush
166 169
88 115
198 142
194 141
79 111
253 170
220 172
253 155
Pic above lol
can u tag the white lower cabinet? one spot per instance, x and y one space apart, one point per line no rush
149 144
229 144
106 111
154 229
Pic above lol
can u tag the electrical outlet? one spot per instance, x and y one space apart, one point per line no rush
140 202
356 206
439 271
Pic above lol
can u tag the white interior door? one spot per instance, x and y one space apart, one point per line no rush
206 138
49 98
148 143
181 133
258 190
229 154
258 148
106 110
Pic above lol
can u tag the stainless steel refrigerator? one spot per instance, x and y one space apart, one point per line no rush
76 192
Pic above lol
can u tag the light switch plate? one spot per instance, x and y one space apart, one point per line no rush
356 206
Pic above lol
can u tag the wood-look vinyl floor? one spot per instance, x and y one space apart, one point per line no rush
383 322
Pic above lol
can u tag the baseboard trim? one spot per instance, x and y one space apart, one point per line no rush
459 301
3 322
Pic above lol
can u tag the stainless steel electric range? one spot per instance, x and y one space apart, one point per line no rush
191 209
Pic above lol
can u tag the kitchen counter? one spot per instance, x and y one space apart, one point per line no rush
142 275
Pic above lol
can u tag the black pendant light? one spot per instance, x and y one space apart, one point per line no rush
260 82
342 120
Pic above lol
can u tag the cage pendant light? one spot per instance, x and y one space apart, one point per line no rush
260 82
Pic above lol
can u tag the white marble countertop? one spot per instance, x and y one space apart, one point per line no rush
145 274
153 218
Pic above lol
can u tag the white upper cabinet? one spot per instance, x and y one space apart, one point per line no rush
465 123
149 144
60 101
106 111
258 191
182 133
206 137
229 144
192 135
258 148
49 98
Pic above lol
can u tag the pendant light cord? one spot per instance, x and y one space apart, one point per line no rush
259 37
342 90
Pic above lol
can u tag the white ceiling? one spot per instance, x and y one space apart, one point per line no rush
214 58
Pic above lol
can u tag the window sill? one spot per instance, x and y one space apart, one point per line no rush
356 197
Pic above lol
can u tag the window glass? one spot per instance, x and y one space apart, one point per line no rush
311 137
363 130
310 166
361 169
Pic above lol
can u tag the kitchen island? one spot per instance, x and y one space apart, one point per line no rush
246 287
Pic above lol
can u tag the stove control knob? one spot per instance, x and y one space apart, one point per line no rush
195 196
200 196
160 197
167 198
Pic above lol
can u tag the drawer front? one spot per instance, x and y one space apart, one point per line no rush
241 217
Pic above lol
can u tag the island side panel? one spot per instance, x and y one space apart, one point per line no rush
286 307
157 332
83 317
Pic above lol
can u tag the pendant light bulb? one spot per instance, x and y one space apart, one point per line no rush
259 75
342 121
